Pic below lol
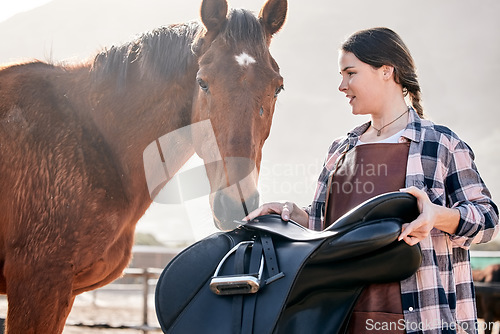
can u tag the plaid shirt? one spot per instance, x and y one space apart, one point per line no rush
439 297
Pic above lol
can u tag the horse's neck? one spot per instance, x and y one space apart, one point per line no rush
132 119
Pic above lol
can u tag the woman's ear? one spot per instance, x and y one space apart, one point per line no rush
387 71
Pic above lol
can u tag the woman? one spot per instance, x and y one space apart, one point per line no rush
398 149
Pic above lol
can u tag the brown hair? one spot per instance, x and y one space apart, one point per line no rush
382 46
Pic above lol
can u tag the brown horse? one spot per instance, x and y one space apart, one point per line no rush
72 140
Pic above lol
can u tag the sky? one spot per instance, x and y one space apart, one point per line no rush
9 8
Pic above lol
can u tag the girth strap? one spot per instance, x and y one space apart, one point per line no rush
244 304
270 258
239 268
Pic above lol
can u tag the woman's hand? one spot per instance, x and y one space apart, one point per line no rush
286 210
431 215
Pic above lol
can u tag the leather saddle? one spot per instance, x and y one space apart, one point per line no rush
271 276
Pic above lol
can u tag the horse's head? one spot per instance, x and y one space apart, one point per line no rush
238 83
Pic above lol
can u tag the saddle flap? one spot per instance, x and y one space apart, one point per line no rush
187 274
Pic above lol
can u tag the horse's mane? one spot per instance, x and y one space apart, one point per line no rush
163 52
166 52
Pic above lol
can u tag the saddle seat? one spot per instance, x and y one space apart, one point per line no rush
312 279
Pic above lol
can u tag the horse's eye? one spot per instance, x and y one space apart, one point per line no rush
278 90
203 85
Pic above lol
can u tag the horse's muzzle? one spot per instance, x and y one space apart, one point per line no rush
226 209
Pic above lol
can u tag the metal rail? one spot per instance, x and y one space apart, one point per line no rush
492 288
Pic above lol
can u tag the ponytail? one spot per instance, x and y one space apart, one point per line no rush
411 87
415 102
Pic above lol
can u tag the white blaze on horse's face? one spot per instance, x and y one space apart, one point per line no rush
245 59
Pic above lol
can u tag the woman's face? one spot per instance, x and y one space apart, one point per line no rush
362 84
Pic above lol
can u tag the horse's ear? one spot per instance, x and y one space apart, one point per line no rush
213 14
273 15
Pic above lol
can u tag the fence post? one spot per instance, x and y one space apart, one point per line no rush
145 298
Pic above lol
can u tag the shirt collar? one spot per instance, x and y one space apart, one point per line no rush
414 127
412 130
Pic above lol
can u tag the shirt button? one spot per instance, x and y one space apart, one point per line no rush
410 308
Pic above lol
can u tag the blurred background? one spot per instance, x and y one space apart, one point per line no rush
455 44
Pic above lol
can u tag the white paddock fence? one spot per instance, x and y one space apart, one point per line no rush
139 278
148 278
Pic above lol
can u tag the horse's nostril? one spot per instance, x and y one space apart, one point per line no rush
226 209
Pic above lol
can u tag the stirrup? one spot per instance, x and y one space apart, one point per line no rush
236 284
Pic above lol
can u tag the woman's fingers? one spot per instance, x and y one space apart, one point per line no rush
286 211
414 232
265 209
254 214
283 209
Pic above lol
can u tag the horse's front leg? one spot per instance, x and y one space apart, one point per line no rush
40 298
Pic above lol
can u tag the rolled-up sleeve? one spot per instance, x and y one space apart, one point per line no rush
468 193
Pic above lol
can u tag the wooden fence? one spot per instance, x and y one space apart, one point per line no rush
148 278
